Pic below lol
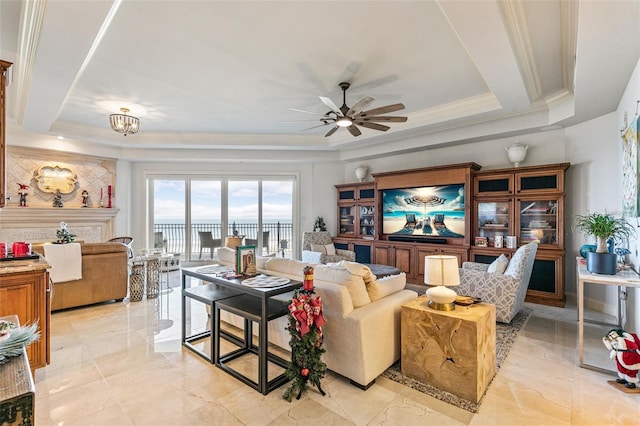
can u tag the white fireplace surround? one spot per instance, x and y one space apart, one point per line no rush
39 224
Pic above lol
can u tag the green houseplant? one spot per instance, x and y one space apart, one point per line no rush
603 226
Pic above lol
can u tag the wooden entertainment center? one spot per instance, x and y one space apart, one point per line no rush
525 202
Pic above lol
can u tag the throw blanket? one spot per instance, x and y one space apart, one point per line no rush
66 261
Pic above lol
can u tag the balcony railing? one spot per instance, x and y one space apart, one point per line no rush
171 236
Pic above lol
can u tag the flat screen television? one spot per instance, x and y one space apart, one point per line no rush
429 211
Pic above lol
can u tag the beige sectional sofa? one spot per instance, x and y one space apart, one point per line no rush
362 332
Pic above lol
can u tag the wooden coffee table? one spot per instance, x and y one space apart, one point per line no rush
454 351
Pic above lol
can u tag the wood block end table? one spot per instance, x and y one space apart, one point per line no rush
454 351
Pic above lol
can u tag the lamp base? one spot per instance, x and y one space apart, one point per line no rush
441 306
441 298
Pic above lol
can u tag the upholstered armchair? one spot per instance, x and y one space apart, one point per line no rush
317 247
505 290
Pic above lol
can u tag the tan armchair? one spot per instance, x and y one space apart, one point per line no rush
321 241
507 291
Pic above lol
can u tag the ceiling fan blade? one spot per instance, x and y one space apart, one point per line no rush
382 110
306 112
354 130
390 118
328 102
374 126
360 105
314 127
332 131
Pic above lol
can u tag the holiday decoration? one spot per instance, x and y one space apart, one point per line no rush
57 199
625 350
22 191
63 234
85 198
307 284
305 327
319 225
16 339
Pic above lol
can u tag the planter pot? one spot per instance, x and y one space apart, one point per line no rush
602 263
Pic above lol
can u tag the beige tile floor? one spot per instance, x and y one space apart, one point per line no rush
123 364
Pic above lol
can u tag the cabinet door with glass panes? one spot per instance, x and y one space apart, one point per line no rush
540 220
494 217
347 219
366 221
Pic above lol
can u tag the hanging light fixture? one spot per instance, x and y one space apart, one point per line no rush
123 123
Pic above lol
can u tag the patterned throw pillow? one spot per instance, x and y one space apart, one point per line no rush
499 265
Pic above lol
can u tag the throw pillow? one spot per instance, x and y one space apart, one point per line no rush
320 248
359 269
286 266
339 275
262 260
385 286
330 250
499 265
227 255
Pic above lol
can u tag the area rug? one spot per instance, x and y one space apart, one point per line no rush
505 337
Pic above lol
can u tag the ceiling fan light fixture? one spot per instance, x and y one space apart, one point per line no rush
123 123
344 122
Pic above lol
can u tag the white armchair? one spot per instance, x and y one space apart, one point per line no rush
507 291
325 251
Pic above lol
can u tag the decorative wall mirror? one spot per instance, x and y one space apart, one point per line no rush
56 178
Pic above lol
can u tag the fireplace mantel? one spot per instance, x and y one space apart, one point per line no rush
37 224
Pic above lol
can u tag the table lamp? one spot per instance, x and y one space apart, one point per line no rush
442 272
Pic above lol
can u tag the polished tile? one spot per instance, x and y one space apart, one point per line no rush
123 364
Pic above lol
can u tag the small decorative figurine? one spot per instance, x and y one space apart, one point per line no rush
625 350
85 198
57 199
23 194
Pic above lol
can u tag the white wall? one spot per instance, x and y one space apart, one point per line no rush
629 105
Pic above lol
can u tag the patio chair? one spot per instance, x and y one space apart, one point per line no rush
207 241
254 242
411 222
159 241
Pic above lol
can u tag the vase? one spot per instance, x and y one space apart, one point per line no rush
602 263
517 152
361 172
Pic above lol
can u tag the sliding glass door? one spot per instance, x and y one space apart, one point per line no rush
193 215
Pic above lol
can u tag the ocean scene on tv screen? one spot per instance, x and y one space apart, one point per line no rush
434 211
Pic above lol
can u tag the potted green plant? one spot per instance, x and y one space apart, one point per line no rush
603 226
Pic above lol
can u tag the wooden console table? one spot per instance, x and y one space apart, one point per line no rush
17 391
454 351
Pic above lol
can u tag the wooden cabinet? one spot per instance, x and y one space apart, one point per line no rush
527 202
356 210
25 292
409 257
4 67
362 248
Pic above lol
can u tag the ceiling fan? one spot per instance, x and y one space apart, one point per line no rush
352 117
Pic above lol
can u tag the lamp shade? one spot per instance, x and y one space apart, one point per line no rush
441 270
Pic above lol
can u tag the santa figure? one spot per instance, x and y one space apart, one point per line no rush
625 350
23 194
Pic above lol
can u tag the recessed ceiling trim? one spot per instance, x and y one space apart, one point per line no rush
31 18
516 25
569 33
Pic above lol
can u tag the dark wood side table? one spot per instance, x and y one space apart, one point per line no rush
17 391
